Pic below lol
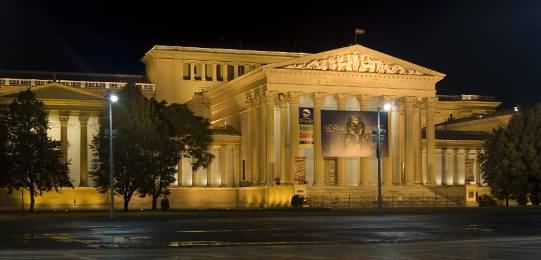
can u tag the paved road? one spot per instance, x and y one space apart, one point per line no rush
395 234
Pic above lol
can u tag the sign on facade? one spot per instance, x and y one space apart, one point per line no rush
300 170
306 125
352 133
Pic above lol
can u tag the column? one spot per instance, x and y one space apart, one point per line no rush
257 136
363 162
340 161
460 167
270 104
222 165
417 141
192 73
283 138
83 122
209 168
476 167
388 160
410 140
395 143
318 156
64 118
215 72
439 175
179 172
430 136
294 134
203 72
449 164
236 165
195 181
235 71
245 139
444 163
402 141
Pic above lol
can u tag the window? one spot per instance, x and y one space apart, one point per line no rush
230 72
241 70
187 71
219 72
208 72
197 71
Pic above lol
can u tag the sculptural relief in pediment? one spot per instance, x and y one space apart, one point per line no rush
354 62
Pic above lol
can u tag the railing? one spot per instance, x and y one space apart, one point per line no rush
466 98
73 83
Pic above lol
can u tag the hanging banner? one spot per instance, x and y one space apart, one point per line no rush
306 126
352 133
299 170
468 170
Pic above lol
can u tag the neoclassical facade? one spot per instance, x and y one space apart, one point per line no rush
269 112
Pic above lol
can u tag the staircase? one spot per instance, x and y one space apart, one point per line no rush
393 196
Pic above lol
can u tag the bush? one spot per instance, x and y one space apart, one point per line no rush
486 201
297 201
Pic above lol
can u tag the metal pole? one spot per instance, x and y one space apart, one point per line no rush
111 192
378 153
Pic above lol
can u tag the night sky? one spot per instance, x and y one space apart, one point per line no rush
485 47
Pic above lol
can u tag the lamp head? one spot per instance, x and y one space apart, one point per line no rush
387 107
113 98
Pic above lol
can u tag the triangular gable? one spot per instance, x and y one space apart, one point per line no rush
56 91
356 58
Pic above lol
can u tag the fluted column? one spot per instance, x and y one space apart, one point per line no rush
83 171
258 155
410 140
294 134
460 167
430 136
394 142
318 156
340 161
237 164
449 171
364 163
282 99
270 104
209 169
402 141
64 118
388 160
417 140
222 165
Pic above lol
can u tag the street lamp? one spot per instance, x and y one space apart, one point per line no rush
112 99
386 107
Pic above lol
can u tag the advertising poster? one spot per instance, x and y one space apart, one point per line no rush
306 125
299 170
352 133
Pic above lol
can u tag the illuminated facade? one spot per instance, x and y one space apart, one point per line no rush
265 152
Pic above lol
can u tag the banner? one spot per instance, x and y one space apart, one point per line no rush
299 170
306 125
352 133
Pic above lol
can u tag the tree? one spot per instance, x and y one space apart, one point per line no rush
512 162
149 139
36 162
3 149
177 133
130 121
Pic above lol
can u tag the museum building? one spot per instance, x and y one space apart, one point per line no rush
285 123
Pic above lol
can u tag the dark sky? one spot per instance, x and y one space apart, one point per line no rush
484 47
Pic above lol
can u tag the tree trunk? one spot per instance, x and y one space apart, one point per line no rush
126 201
154 202
32 199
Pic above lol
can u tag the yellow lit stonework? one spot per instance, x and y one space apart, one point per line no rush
252 99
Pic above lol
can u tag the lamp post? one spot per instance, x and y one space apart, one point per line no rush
386 107
112 99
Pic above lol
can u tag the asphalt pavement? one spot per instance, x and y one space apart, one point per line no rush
453 233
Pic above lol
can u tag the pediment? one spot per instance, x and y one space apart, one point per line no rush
57 91
359 59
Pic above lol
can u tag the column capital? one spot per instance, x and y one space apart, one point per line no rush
63 117
282 99
293 97
83 117
318 98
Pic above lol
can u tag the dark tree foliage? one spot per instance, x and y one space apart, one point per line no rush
149 139
3 149
35 160
512 162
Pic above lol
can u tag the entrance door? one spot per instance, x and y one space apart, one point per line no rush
330 171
